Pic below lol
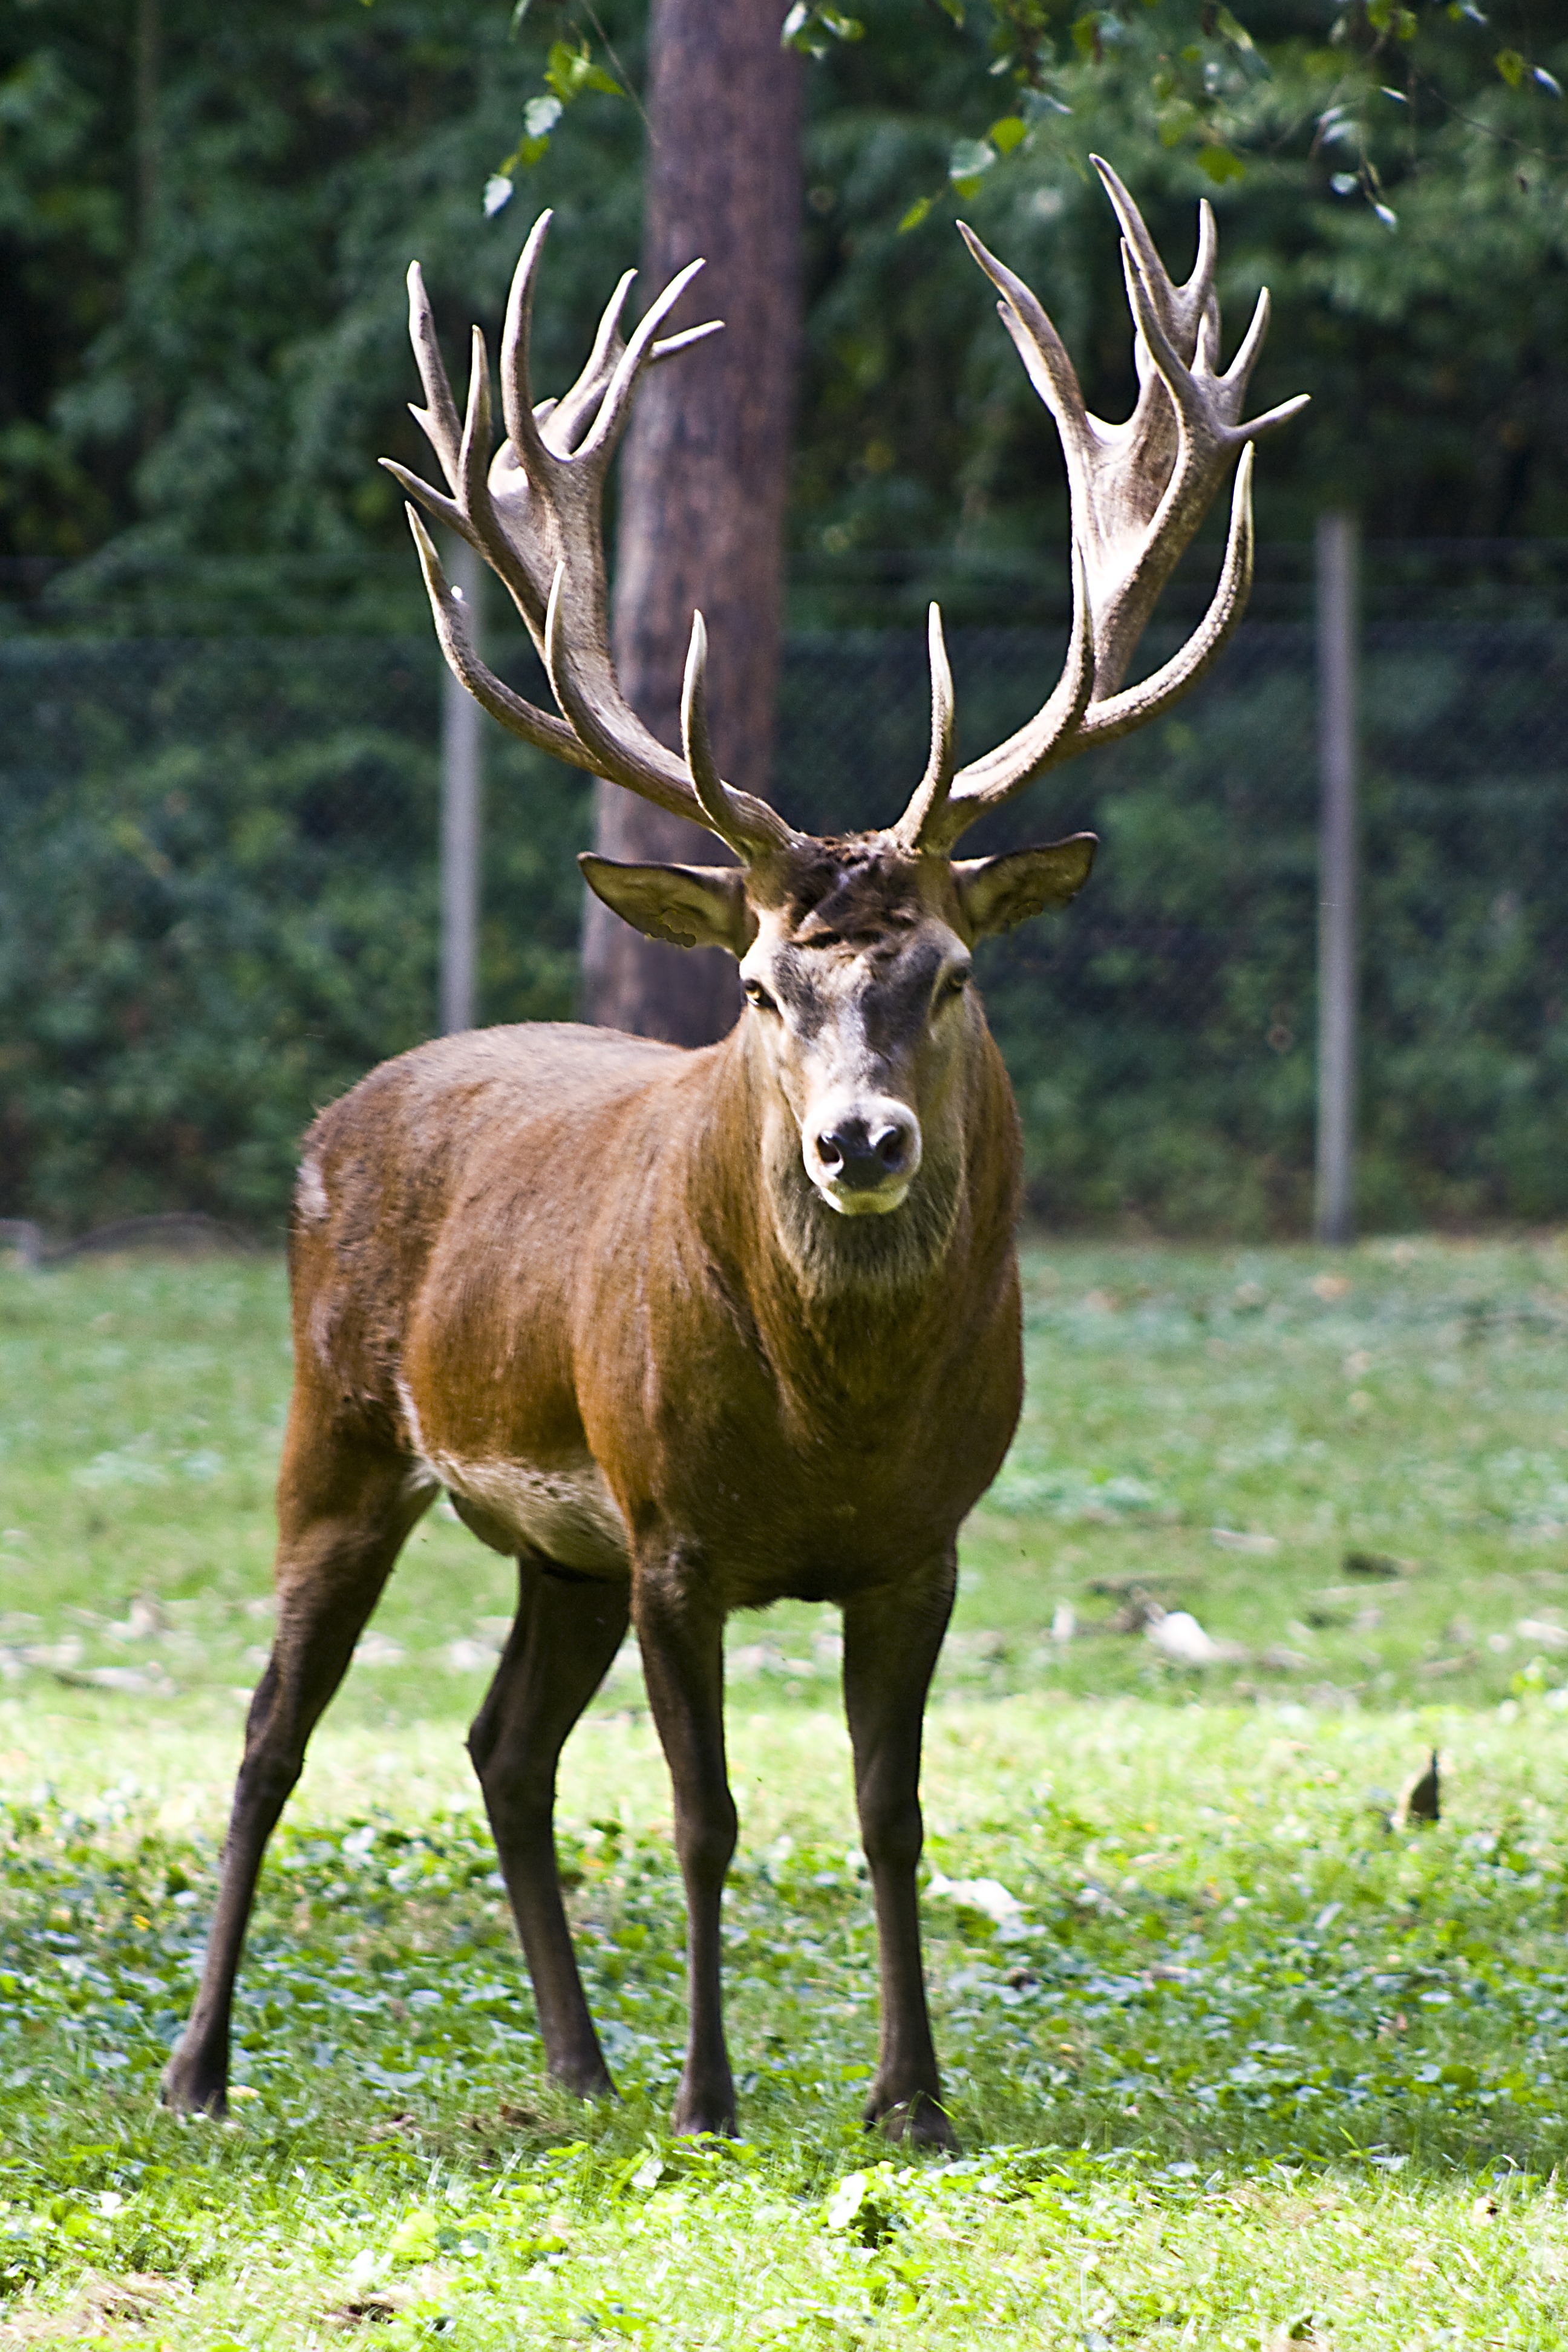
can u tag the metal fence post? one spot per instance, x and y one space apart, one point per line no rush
462 784
1335 1219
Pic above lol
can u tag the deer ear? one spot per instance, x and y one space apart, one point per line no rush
687 906
997 892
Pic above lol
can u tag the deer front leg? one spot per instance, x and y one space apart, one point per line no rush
891 1637
567 1629
682 1641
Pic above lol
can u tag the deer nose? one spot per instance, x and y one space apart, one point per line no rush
861 1154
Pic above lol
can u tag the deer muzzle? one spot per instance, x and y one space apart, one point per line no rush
862 1155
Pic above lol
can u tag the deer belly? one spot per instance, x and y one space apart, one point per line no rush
567 1513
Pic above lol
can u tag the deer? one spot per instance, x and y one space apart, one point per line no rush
684 1332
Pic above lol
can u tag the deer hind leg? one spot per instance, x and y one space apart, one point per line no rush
891 1637
345 1509
567 1630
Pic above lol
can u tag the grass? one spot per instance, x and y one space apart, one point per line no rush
1233 2053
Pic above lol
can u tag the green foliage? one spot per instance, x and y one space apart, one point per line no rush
217 369
1402 1401
1232 2049
1411 226
217 878
208 346
569 73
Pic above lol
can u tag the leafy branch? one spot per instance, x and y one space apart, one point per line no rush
570 72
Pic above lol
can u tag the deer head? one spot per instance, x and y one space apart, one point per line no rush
854 952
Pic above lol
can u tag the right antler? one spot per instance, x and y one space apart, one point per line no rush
534 513
1138 492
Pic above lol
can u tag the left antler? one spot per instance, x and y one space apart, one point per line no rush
1138 492
534 513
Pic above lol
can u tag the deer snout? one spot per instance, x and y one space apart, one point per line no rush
862 1155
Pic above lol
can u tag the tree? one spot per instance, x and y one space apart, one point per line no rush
706 470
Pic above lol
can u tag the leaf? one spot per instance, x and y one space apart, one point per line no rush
1386 215
1511 65
519 12
570 72
1086 38
969 159
1548 81
541 116
954 9
919 211
810 18
1220 165
1009 132
1236 34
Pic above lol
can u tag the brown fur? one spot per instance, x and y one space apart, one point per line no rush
597 1288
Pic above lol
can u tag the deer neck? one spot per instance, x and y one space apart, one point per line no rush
839 1299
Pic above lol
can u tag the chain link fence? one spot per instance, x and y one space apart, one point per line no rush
219 905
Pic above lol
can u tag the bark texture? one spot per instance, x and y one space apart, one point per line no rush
705 471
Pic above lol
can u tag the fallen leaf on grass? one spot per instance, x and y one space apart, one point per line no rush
1541 1629
366 2310
1177 1635
131 1680
1380 1566
1242 1540
987 1896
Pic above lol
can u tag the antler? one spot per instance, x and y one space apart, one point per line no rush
1138 492
533 512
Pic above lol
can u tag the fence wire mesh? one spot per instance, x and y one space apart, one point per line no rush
218 906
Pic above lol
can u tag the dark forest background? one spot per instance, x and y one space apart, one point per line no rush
217 858
205 215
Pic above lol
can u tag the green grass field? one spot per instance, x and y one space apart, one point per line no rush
1236 2064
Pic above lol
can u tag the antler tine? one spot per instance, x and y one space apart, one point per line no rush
749 825
920 823
1044 355
599 442
1138 492
1186 309
516 392
567 415
438 423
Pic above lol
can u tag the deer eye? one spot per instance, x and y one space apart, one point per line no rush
952 987
755 993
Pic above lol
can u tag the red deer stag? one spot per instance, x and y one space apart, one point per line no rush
686 1332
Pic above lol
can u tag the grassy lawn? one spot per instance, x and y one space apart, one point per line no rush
1234 2053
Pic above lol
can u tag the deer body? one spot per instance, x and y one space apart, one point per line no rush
656 1370
693 1331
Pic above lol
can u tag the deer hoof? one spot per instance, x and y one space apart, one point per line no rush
586 2082
920 2120
190 2089
695 2118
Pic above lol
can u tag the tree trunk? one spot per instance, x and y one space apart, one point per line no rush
704 477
